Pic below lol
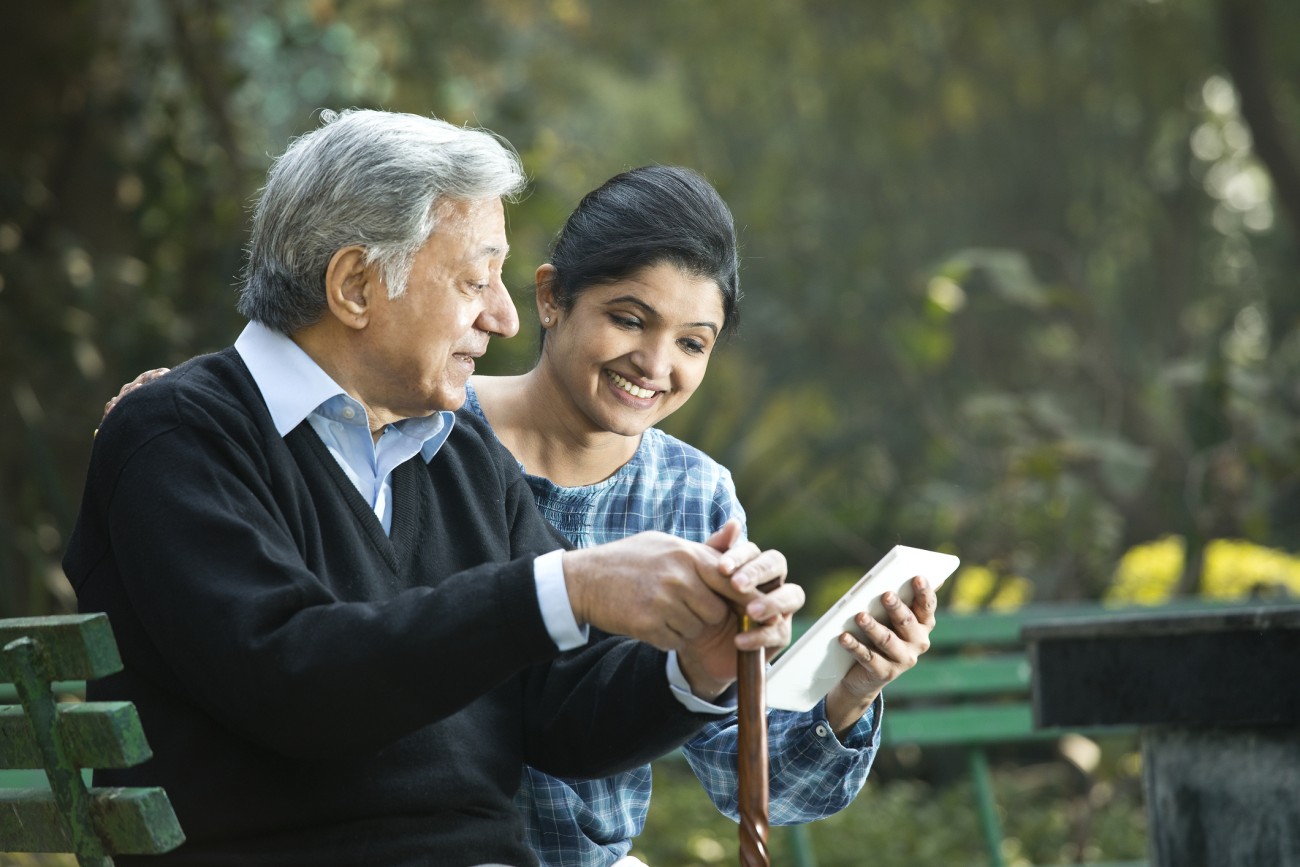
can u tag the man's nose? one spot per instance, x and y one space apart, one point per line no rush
499 316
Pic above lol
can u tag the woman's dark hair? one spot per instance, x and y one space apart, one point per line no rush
646 217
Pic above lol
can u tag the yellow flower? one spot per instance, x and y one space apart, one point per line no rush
1147 574
1233 569
976 587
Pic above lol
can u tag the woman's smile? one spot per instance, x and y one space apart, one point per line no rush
644 396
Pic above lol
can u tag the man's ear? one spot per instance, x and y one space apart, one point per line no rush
350 286
548 311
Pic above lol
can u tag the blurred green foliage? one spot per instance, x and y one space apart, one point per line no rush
1021 277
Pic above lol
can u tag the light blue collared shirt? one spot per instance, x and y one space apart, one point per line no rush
295 389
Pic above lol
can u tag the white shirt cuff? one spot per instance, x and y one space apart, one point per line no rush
682 691
553 597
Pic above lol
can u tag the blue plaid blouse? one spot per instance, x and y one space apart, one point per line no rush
675 488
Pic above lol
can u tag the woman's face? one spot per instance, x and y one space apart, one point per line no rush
628 354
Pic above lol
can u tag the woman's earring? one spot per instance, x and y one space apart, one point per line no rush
546 320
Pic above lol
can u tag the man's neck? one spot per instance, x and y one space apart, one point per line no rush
324 344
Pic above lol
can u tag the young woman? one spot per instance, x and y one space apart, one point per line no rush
642 285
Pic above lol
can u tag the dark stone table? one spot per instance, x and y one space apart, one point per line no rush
1216 692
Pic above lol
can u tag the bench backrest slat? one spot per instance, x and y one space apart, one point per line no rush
129 821
75 646
959 724
958 676
973 687
95 735
64 739
988 629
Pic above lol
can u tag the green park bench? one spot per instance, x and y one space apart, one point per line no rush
48 745
971 692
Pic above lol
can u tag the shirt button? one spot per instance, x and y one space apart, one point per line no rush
349 413
821 731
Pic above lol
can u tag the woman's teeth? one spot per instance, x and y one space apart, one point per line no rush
634 390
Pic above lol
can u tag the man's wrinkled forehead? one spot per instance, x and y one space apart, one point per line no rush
479 223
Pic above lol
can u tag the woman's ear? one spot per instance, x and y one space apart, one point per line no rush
349 286
548 311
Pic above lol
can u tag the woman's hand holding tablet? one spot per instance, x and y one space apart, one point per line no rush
882 646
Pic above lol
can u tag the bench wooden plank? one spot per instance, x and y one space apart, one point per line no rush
128 821
975 725
985 629
74 646
971 692
29 664
1002 628
44 659
958 676
95 735
959 725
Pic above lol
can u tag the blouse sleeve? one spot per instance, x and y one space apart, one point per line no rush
726 505
813 773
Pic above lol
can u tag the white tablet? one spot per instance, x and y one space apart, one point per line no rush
808 669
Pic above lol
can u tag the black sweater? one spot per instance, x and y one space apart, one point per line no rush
316 692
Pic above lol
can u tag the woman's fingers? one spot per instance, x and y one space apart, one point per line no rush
884 642
146 377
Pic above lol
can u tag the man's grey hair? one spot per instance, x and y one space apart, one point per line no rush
370 178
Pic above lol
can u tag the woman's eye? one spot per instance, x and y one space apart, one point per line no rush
625 321
695 347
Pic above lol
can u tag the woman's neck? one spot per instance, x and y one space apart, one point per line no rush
538 422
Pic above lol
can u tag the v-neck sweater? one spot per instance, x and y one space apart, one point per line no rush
318 692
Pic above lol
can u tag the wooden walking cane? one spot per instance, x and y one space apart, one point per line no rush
751 679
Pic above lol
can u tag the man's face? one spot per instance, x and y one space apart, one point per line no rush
421 346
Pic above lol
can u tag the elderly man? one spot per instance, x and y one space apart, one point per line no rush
343 622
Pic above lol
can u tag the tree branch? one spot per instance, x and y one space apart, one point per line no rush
1244 55
202 60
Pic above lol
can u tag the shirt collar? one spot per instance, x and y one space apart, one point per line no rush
294 386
